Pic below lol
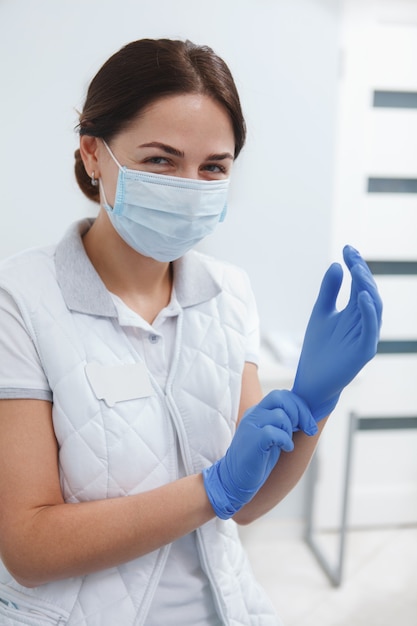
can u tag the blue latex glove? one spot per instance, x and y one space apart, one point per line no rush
337 344
263 432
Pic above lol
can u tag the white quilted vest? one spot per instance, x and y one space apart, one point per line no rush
107 452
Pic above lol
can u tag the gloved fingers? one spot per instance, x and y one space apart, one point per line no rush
295 408
306 421
329 289
276 417
276 399
351 256
370 324
258 417
271 436
362 279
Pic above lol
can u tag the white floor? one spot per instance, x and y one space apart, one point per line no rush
380 576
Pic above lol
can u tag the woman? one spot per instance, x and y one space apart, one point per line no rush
130 360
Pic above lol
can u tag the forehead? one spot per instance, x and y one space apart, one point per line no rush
187 117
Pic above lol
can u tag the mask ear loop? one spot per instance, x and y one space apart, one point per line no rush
105 204
112 155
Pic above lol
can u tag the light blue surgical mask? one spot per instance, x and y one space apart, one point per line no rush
161 216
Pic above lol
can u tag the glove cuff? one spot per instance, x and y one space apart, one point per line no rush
325 409
220 501
319 410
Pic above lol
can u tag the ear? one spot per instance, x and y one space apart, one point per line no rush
89 150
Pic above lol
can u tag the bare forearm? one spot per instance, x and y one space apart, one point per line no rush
286 474
67 540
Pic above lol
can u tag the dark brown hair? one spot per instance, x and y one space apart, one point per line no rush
144 71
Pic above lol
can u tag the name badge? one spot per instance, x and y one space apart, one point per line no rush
119 383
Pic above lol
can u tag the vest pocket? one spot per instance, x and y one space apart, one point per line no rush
28 612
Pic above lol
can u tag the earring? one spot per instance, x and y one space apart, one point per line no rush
94 180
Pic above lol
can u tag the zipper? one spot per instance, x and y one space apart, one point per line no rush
176 419
154 581
17 603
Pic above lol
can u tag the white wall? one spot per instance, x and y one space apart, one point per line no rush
284 56
379 41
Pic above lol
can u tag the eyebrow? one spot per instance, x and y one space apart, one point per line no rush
170 150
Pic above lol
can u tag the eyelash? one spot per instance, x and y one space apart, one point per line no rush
222 170
156 160
161 160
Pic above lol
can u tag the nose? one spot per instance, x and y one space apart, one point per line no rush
189 171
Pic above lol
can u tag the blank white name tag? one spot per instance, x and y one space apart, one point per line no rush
119 382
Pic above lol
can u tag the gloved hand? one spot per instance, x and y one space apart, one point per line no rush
263 432
337 344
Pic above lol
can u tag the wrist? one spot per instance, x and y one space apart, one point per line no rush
216 493
319 407
223 502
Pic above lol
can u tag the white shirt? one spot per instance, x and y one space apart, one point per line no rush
184 588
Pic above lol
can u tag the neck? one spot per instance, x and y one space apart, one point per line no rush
144 284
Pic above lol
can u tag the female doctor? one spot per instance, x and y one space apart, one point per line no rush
134 435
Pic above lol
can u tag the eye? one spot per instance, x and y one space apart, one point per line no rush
215 168
157 160
157 164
